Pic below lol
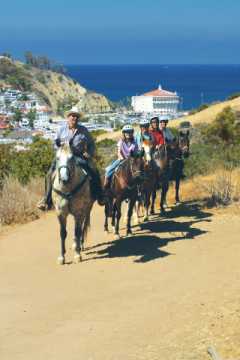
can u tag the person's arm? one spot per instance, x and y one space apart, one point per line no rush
57 140
91 148
119 150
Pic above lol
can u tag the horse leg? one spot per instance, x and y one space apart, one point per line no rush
118 216
106 218
77 239
130 211
177 187
114 215
147 204
63 234
163 197
154 194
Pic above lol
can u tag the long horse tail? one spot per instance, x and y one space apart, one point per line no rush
86 225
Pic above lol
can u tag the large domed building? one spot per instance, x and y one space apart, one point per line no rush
158 101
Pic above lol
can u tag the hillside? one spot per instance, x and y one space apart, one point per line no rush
56 89
209 114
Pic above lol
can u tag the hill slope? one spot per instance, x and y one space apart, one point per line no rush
209 114
54 88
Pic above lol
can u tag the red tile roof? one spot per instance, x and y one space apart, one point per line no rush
159 92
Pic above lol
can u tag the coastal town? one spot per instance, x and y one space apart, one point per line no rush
24 114
27 110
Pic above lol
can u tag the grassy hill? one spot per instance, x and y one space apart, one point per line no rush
205 116
209 114
55 89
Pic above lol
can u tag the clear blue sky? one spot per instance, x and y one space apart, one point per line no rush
124 31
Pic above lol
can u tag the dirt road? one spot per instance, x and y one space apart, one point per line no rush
167 293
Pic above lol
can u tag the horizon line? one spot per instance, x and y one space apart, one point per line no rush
163 64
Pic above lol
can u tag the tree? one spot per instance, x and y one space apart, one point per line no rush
17 116
29 59
31 117
223 130
7 55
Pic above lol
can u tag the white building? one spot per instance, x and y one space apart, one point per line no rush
160 102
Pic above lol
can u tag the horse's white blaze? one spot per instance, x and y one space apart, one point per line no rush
64 175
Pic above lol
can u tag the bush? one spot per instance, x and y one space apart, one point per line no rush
234 96
223 188
24 165
18 202
41 78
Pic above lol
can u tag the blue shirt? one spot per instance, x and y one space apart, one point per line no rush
140 137
79 139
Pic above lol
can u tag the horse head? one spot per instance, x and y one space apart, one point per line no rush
184 143
136 165
160 157
147 147
65 163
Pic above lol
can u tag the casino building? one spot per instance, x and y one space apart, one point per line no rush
160 102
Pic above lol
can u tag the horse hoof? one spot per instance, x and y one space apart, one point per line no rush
146 218
61 260
77 258
117 236
177 203
152 212
129 232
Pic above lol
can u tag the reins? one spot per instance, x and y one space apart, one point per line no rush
69 195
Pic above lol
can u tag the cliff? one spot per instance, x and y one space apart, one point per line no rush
57 90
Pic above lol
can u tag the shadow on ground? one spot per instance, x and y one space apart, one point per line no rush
151 236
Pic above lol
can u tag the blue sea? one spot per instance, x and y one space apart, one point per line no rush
195 84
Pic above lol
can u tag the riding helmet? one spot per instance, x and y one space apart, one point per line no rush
155 118
127 129
144 123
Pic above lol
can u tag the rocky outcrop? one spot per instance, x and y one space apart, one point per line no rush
57 90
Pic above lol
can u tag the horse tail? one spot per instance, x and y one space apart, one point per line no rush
86 225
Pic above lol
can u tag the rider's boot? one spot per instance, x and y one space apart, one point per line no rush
46 202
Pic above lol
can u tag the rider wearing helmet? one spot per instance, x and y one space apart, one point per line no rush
156 132
144 133
125 146
168 136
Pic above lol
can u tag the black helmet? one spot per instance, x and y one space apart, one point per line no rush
155 119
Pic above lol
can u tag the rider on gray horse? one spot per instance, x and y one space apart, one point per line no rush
83 148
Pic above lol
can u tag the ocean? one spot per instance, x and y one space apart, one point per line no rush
195 84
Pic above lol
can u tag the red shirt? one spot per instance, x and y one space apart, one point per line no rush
158 137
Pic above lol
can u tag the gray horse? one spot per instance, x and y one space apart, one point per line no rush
71 195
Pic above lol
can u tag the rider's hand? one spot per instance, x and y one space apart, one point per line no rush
86 155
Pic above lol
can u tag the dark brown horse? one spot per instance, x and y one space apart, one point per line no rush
150 181
179 150
160 158
124 185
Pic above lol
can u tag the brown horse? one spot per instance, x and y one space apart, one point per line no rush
150 180
160 159
71 195
179 150
124 185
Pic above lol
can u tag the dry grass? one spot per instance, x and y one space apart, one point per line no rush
219 189
18 202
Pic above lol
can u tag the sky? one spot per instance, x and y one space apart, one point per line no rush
124 31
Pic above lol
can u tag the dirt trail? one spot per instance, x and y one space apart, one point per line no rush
167 293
